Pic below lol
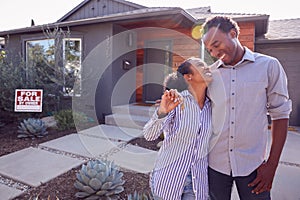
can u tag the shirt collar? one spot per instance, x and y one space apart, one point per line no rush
248 56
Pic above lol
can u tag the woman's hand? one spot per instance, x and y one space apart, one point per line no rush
169 100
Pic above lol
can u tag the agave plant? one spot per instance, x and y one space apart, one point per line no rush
140 196
32 127
99 179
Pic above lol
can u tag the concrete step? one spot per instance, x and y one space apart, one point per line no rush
114 133
125 120
134 109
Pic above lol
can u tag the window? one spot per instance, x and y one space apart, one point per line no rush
40 62
54 65
72 66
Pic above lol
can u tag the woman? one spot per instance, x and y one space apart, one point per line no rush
180 170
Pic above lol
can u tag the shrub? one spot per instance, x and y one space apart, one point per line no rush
66 119
99 179
32 127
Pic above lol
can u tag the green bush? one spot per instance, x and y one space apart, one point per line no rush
67 118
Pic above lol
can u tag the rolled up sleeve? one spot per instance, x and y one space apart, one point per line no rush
279 105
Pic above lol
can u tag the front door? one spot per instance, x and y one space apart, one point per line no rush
157 64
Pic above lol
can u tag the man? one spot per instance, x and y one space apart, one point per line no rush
254 85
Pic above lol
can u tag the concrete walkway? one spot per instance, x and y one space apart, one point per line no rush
34 166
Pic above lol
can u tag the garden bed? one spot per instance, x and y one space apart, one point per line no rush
62 187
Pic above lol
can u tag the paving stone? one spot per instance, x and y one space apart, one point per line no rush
34 166
286 183
135 158
124 120
290 152
7 192
80 144
113 132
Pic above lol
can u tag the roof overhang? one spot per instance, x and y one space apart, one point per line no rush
276 41
177 16
260 21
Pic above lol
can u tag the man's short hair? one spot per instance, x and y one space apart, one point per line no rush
223 23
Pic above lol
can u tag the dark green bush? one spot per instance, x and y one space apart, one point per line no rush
66 119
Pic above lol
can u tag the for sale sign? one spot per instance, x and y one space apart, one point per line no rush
28 100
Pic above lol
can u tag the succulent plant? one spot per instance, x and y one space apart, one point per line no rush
140 196
99 179
32 127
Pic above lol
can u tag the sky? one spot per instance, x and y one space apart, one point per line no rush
18 13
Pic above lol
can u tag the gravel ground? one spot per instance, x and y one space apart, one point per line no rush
62 187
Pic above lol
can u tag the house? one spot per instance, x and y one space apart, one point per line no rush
121 51
283 41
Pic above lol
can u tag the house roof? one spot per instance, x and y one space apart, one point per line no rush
282 30
260 20
140 14
195 15
82 4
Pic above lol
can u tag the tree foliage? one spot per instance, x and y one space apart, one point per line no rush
43 69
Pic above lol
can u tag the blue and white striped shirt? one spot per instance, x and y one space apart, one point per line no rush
185 147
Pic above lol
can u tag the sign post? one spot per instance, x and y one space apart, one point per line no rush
28 100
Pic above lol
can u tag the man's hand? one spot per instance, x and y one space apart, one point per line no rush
264 179
266 171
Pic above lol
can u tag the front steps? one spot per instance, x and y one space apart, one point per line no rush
131 115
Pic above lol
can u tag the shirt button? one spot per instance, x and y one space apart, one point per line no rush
232 108
231 137
232 80
233 93
232 122
230 149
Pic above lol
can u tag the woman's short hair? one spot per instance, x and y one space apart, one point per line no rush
176 80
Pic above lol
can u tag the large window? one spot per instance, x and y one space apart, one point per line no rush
54 65
40 61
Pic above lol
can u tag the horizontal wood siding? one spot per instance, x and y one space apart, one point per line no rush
288 55
182 48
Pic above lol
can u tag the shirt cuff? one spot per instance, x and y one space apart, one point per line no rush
281 112
156 116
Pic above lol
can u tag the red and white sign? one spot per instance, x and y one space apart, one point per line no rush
28 100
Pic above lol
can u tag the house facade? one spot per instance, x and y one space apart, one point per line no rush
283 42
122 51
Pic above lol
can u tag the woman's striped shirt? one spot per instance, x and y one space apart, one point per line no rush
186 130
